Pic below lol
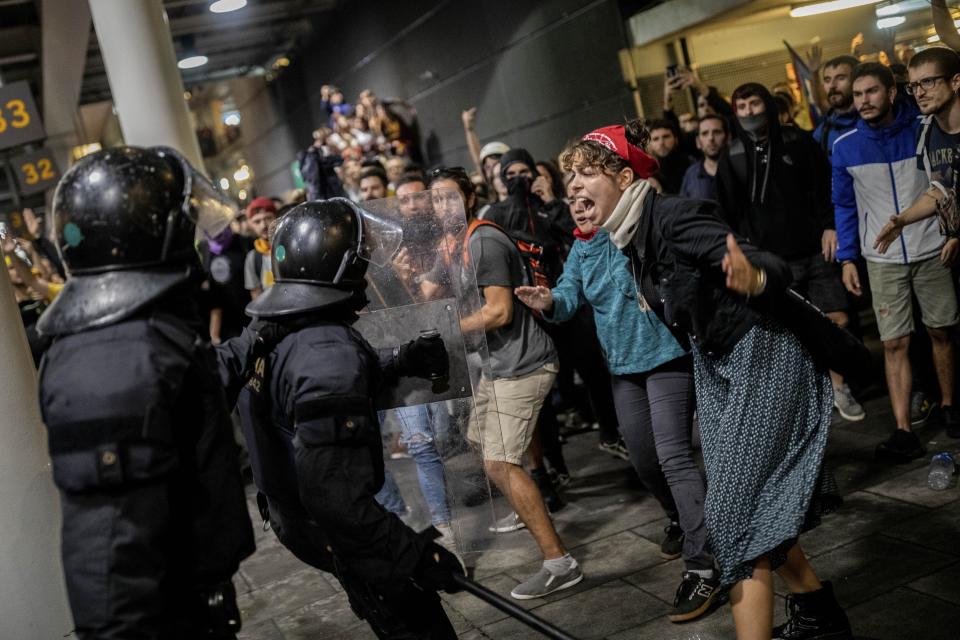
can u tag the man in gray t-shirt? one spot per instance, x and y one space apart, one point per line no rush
521 345
523 366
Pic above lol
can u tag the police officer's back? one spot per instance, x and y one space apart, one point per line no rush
154 514
308 419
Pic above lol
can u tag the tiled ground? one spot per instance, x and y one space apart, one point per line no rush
893 553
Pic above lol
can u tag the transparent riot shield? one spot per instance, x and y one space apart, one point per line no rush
435 443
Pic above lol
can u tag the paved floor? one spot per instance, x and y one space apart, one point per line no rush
892 551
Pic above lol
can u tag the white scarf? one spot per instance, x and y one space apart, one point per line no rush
623 222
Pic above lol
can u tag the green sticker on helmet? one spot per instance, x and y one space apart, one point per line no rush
72 234
280 253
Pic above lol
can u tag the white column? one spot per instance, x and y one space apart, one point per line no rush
66 30
33 599
137 50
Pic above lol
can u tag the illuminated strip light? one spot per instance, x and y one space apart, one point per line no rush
891 21
226 6
906 6
192 62
827 7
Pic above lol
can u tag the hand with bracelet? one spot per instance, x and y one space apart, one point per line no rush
742 276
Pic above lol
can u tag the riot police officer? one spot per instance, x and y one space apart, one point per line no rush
154 514
308 419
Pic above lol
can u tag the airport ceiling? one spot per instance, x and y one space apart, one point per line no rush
246 41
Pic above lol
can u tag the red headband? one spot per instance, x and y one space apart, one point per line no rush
614 138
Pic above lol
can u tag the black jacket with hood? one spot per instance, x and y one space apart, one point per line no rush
526 217
782 205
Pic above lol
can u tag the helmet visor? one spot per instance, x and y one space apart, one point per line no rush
209 209
381 236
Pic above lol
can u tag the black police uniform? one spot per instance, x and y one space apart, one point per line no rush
313 434
154 515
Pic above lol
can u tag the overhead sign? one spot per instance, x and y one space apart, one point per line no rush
20 121
36 171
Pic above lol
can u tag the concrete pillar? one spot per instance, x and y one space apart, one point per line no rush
141 64
33 599
66 29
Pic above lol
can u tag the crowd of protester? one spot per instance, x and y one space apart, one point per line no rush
861 207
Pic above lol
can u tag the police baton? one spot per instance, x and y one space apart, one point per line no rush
508 607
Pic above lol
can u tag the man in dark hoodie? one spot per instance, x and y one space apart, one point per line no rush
774 188
524 214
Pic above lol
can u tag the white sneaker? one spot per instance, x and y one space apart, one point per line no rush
508 523
846 404
446 539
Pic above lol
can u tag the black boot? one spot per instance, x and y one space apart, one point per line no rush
550 496
814 616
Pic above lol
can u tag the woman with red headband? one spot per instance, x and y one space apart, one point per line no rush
764 406
652 383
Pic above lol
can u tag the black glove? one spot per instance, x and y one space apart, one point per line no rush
220 612
268 334
436 569
425 357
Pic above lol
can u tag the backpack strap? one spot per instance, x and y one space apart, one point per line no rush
825 129
258 265
475 224
923 141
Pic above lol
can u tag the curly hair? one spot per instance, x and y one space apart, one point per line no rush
588 153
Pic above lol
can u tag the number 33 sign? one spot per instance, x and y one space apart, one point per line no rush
36 171
19 118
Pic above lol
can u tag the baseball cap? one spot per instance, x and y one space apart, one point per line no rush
493 149
261 203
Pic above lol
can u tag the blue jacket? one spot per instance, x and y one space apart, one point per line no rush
833 126
596 273
875 175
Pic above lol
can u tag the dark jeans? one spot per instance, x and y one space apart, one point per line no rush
655 409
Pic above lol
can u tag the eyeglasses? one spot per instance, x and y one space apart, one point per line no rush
926 84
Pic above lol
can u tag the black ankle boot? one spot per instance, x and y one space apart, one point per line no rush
814 616
549 492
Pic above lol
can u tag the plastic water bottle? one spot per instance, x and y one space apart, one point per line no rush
942 468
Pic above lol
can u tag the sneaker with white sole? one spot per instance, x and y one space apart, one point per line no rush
508 523
446 539
543 583
616 448
847 406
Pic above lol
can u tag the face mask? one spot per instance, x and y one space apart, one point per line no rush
520 185
753 124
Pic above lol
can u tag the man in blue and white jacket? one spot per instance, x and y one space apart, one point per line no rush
875 173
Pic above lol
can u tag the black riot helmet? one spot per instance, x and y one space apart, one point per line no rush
126 220
320 252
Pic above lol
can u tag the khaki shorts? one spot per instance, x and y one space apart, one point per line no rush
505 413
890 286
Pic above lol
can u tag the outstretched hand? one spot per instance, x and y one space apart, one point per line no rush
888 234
742 276
537 298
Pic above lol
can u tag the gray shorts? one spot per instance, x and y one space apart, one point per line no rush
891 285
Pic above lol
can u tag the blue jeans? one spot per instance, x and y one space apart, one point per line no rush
419 428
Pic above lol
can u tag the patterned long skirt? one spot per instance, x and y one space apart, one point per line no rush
764 411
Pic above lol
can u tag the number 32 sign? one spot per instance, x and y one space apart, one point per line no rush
19 119
36 171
